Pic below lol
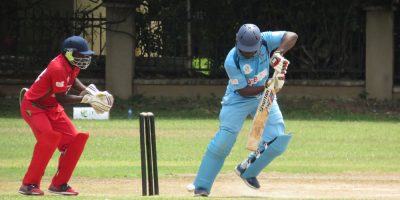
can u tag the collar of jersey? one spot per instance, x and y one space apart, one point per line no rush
66 63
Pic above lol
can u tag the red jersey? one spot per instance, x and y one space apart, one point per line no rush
58 77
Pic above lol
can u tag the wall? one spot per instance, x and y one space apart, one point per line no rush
194 88
219 90
204 87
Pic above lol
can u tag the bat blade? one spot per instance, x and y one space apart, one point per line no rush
260 118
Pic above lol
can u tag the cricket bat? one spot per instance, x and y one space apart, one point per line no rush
261 116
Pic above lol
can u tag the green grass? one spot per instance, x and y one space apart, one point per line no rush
113 149
324 142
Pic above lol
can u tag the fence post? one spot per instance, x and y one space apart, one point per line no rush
379 59
189 38
120 40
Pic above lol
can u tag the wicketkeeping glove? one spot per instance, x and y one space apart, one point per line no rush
90 89
279 63
106 97
101 102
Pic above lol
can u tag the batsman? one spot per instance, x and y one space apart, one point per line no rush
247 65
41 108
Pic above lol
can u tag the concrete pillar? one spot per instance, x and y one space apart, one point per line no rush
120 49
379 52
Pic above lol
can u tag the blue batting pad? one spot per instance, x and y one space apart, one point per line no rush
274 150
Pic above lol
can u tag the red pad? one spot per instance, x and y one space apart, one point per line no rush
42 153
69 158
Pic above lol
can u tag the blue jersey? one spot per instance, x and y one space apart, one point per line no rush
253 71
235 109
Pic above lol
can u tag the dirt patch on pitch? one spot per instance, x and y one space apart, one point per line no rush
273 185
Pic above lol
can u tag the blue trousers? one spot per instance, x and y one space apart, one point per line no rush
234 111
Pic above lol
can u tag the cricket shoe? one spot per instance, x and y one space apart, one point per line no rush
31 189
201 192
63 189
251 182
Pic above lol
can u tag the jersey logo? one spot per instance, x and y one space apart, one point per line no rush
234 81
247 69
60 84
260 76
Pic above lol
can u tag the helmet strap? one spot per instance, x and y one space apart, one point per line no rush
68 55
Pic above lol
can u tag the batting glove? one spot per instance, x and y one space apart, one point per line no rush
279 82
279 63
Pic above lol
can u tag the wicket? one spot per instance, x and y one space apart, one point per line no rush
148 150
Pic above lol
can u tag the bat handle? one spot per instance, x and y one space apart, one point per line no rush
272 85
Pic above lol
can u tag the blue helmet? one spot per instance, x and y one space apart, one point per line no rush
80 45
248 38
77 43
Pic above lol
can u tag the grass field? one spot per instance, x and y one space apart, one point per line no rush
345 145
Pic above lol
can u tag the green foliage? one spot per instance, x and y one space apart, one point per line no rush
9 106
331 33
340 109
180 107
209 107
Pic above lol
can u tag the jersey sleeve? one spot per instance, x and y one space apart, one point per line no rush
236 78
59 82
273 39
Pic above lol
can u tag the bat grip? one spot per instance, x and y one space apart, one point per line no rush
272 85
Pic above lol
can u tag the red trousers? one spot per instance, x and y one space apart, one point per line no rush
52 129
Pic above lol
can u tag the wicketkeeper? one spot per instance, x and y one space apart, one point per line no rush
41 109
247 65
